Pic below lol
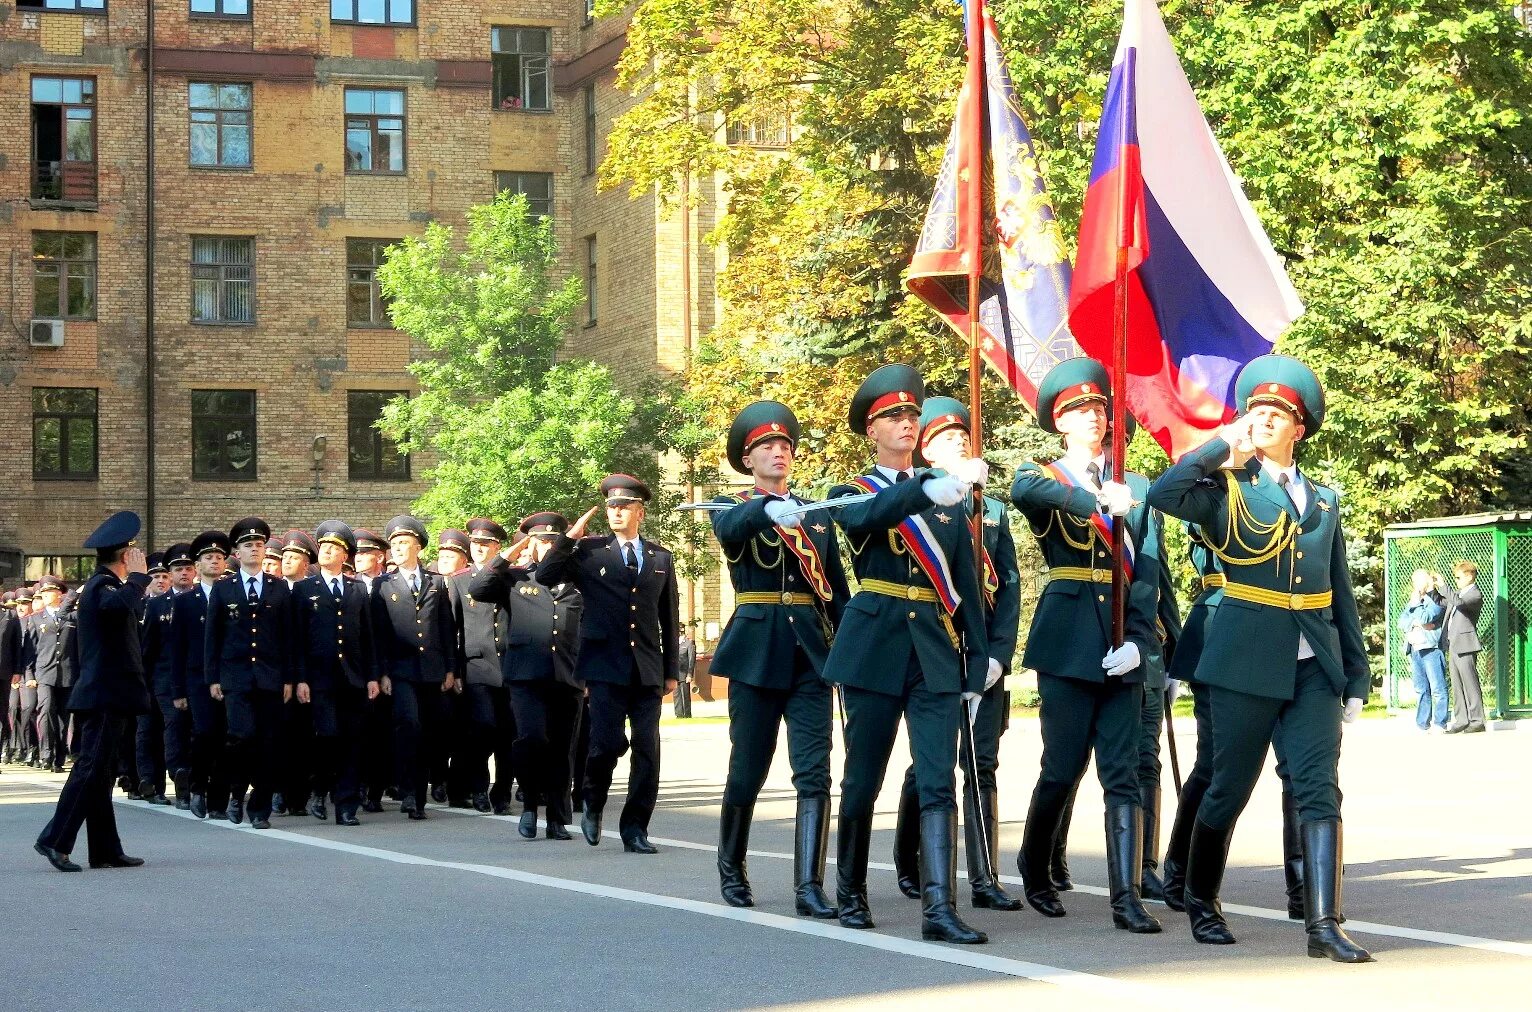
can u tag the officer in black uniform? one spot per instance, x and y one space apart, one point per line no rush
249 658
165 725
24 709
1092 693
416 647
912 643
628 643
48 669
10 649
378 719
456 772
1287 592
543 647
207 773
110 693
944 441
483 626
336 673
295 744
789 591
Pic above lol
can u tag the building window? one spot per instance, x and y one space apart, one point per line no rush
223 435
373 456
519 57
74 569
374 130
223 280
590 128
762 132
590 280
373 12
220 125
63 433
64 275
64 138
365 304
86 6
220 9
537 187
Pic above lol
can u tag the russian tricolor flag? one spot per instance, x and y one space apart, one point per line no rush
1206 292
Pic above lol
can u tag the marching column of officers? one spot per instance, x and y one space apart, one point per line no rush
552 655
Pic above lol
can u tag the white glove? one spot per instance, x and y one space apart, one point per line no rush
1122 660
776 507
1352 711
974 470
1172 690
948 490
971 703
1116 498
995 671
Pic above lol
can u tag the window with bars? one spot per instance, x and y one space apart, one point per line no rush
374 130
223 280
519 59
372 456
64 431
373 12
762 132
365 304
64 275
590 128
223 435
220 9
220 125
537 187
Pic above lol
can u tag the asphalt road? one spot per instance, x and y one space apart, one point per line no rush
459 912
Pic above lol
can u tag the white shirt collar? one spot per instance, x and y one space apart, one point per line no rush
417 574
892 473
1276 470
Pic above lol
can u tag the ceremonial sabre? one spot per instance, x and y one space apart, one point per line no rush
973 784
1170 735
705 507
809 507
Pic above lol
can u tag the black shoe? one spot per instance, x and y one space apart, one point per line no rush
481 803
260 820
417 814
1180 841
1058 862
1292 856
198 805
464 803
1124 864
636 841
182 805
811 837
278 804
407 806
1035 859
372 807
590 825
939 921
981 839
1322 895
733 842
393 794
853 838
1206 858
316 807
158 798
120 861
556 831
58 860
502 808
527 826
345 815
907 842
439 794
236 810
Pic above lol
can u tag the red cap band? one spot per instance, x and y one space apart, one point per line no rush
771 430
897 399
1279 394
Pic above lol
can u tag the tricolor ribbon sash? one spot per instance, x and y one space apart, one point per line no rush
1102 522
803 548
921 543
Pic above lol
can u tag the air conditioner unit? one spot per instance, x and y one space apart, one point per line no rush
47 333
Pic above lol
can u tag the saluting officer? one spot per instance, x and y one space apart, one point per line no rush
336 673
249 657
912 643
628 643
789 591
207 778
542 648
483 626
945 443
412 620
1092 693
1287 592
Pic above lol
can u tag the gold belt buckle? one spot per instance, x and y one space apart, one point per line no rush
787 597
1296 601
1100 576
913 593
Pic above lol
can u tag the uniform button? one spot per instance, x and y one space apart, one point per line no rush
1100 555
422 649
421 635
340 656
419 622
1297 579
632 644
633 591
340 641
252 660
912 614
789 620
1101 597
1300 555
632 626
554 647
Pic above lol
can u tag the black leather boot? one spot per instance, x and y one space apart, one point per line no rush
1058 862
1034 861
811 836
1150 887
907 842
981 839
1180 841
1124 864
853 837
1292 856
939 921
181 779
1206 858
1322 895
733 842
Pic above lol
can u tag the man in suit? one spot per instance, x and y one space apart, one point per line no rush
165 725
1460 642
457 774
110 693
295 740
628 659
48 670
483 624
207 781
415 656
249 657
336 673
378 717
1283 655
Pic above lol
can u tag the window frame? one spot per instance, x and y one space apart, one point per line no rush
63 418
27 8
378 439
523 82
64 275
385 23
591 265
218 125
222 280
374 132
87 83
225 417
220 14
591 129
501 176
375 294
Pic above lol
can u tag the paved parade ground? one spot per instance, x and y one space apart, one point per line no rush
461 913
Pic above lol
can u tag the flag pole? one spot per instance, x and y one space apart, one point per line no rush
1119 436
978 98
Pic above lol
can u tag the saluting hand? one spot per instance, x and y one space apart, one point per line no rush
513 552
1238 434
133 558
577 529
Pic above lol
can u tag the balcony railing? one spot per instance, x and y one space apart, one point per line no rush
65 182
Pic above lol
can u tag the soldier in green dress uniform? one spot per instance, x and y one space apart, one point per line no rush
1283 655
912 643
789 591
1092 692
944 440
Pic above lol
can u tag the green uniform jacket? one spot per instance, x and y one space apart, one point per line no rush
1072 625
1167 624
1004 619
758 643
1250 647
878 633
1183 666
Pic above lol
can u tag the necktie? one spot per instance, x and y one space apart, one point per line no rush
415 584
335 588
1094 470
253 596
903 476
630 557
